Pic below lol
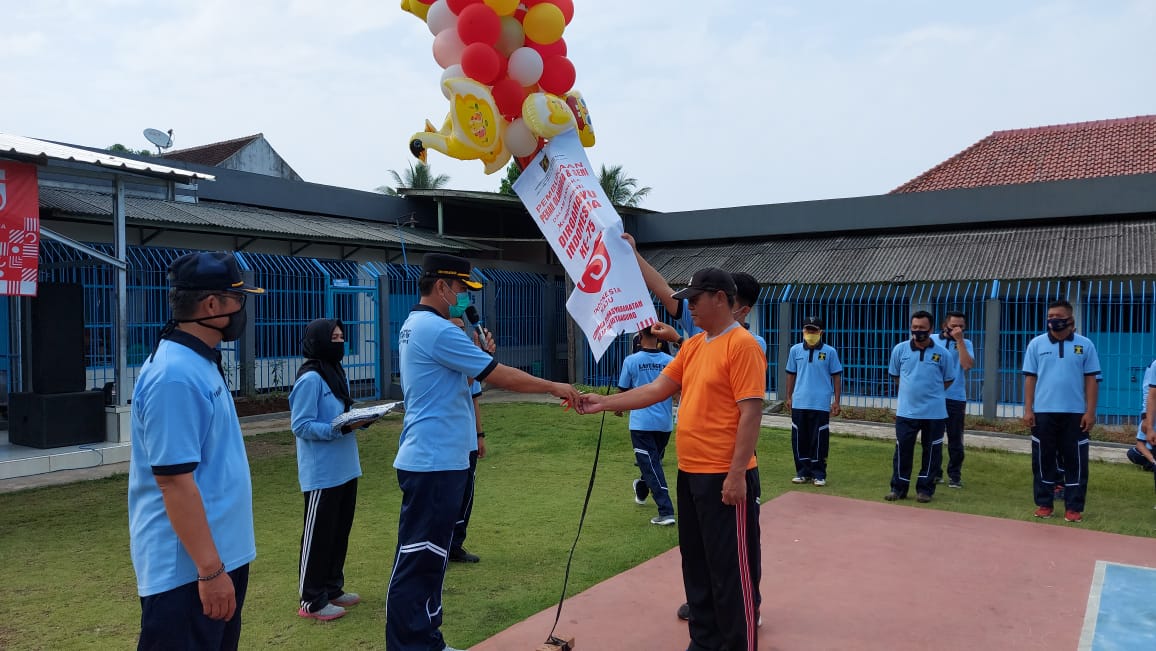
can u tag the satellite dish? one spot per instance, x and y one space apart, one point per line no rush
159 138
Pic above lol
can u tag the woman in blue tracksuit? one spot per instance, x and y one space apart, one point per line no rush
327 468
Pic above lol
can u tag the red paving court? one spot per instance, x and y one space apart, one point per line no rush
848 574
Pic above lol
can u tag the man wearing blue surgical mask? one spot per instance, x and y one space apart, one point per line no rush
1060 393
923 370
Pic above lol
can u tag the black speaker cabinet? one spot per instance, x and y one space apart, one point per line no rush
56 420
57 339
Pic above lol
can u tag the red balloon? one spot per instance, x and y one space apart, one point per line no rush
567 7
456 6
481 62
557 74
509 95
479 24
557 48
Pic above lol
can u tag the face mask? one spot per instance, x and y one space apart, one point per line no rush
920 335
332 351
459 308
812 339
232 330
1056 325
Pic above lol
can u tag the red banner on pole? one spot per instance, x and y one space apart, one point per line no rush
19 229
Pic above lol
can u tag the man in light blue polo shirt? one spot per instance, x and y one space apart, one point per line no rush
190 499
923 369
1141 454
437 436
814 386
963 357
1060 394
650 427
1147 418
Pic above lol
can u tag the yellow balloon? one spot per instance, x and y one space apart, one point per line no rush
502 7
547 115
544 23
419 9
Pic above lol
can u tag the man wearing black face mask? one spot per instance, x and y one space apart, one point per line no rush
189 492
923 369
1060 392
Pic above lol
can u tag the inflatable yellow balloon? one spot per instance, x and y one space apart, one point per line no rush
547 115
582 117
472 130
415 7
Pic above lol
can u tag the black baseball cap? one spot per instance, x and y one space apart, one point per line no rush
710 279
444 265
813 322
209 271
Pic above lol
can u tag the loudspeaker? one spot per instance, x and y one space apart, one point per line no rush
57 339
56 420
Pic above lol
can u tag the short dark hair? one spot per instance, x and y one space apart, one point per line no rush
746 289
646 332
1061 303
183 302
953 314
923 314
425 284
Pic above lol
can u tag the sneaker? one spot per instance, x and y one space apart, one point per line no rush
955 483
820 482
450 648
1073 516
759 621
662 520
1043 512
329 613
347 599
799 479
684 612
460 555
892 496
939 480
923 498
640 491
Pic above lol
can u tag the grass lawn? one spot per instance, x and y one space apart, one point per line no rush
68 582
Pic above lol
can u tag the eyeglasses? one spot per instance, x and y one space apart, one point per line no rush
236 296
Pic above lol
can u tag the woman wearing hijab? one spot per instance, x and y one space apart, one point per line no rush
327 468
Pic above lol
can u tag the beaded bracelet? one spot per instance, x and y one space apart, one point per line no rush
213 575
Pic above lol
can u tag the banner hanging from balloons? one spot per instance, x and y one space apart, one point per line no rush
506 76
568 204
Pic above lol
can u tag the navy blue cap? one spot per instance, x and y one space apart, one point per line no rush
444 265
209 271
710 279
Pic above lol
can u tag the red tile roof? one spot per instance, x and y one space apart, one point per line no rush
212 154
1082 150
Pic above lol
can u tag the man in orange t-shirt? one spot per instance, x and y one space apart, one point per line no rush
722 375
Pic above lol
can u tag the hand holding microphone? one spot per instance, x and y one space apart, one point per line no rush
485 339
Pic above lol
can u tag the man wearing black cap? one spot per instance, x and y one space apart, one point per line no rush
437 435
814 386
190 506
722 374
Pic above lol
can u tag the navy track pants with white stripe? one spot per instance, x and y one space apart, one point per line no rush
1058 435
810 441
430 505
720 552
324 542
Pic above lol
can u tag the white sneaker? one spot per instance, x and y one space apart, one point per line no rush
799 480
329 613
662 520
450 648
346 599
820 482
639 500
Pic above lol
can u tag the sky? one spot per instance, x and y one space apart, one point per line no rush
710 104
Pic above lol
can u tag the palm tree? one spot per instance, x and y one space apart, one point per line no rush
620 189
417 177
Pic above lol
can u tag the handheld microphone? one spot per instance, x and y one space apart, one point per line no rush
475 320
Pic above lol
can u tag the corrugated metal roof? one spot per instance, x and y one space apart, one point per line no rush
248 220
1118 248
33 148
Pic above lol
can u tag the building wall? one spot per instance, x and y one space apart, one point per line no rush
260 158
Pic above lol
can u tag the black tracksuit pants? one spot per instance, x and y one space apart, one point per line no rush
324 542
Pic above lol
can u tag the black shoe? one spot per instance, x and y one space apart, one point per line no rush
892 496
923 498
460 555
684 612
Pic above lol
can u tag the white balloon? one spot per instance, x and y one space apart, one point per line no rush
450 73
447 48
525 66
440 18
519 140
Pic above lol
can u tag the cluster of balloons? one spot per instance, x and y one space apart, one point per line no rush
506 76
